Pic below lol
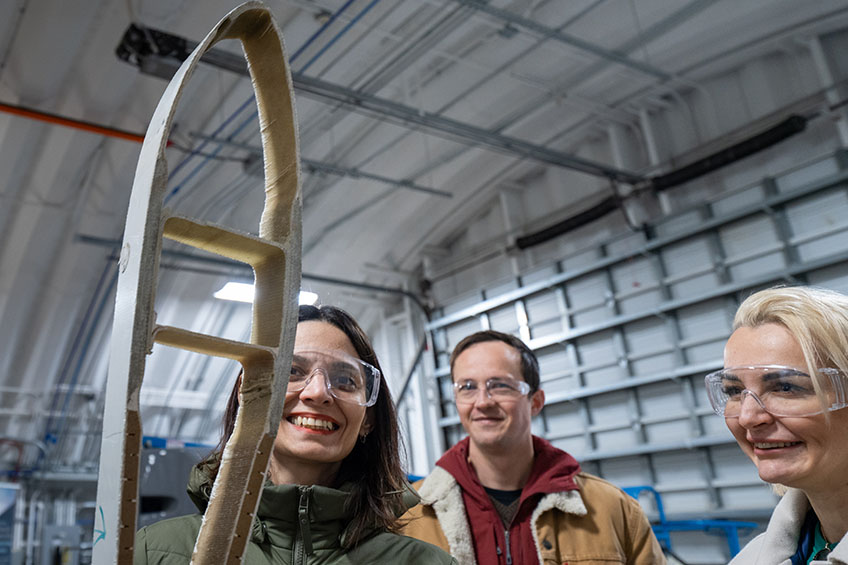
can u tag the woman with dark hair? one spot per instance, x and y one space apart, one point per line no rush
336 485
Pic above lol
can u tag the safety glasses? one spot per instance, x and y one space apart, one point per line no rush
347 378
779 390
497 388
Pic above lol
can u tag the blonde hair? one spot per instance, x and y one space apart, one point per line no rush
816 317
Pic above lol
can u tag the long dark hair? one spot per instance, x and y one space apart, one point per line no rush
373 467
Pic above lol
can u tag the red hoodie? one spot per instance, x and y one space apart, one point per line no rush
553 471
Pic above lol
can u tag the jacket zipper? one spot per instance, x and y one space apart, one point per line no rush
303 538
508 552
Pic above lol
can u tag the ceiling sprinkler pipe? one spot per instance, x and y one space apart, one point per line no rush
82 125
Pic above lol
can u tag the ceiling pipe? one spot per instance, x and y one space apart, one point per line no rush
135 49
235 265
792 125
311 165
587 216
82 125
314 167
789 127
567 39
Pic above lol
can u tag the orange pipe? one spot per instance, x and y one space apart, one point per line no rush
71 123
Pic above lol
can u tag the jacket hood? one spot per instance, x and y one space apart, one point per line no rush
553 471
200 485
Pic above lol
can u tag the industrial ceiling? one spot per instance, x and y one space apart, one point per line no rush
411 114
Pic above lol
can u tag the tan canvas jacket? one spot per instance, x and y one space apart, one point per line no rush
599 524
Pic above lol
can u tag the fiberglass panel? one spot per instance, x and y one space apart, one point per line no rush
456 332
752 247
504 319
587 297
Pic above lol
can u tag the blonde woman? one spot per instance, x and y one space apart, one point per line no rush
783 394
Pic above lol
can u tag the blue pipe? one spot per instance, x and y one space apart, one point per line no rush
245 104
49 437
344 30
104 300
202 164
315 35
196 151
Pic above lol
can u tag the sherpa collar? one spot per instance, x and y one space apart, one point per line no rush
441 492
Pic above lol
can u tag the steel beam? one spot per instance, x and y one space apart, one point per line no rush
556 35
313 166
372 105
367 103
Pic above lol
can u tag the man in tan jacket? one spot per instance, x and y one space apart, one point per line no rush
505 496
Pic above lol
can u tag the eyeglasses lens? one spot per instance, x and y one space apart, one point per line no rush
346 379
780 391
497 388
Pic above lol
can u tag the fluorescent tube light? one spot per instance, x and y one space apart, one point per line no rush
307 298
238 292
243 292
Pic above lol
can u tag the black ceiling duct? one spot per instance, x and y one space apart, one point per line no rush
605 207
775 134
787 128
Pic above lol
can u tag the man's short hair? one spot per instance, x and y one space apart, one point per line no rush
529 363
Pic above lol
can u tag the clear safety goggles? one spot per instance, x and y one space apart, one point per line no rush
346 378
780 391
497 388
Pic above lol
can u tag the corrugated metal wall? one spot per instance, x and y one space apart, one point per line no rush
625 333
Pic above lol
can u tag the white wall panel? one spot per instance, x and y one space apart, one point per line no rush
636 285
811 172
627 471
835 277
688 267
504 320
752 246
819 224
543 314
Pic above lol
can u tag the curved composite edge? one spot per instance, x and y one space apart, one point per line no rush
247 454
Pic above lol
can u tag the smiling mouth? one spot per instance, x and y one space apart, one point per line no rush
313 423
775 444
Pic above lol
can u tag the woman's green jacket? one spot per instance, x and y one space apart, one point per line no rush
277 536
